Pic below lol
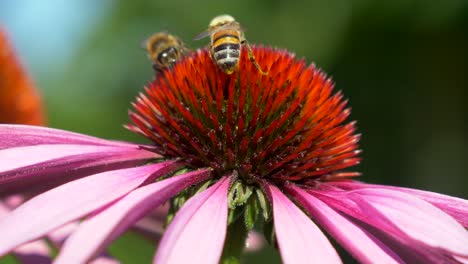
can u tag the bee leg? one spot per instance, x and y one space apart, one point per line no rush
252 57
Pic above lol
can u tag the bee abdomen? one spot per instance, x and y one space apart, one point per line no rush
227 56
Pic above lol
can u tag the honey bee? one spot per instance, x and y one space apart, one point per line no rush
227 37
164 50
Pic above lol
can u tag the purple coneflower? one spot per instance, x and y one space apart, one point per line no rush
230 153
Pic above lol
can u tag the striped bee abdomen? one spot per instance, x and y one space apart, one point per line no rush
226 49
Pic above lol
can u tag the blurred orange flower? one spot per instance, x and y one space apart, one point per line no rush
20 101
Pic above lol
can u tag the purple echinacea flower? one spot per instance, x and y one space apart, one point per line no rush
230 153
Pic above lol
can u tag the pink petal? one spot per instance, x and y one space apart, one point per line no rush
462 260
360 243
59 235
104 260
197 232
456 207
14 201
21 135
15 158
38 164
36 252
407 249
373 221
52 209
97 232
415 218
299 239
32 252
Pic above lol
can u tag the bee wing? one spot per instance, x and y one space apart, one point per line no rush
208 32
203 34
144 43
242 28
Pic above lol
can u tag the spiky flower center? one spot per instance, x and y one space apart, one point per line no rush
286 126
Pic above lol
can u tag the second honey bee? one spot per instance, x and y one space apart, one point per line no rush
227 37
164 50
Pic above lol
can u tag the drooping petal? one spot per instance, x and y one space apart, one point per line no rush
97 232
414 218
21 135
408 250
70 201
371 220
360 243
455 207
34 165
197 232
299 239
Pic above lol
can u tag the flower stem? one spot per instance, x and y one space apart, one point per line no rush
235 242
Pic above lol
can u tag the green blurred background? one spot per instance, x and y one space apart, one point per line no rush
403 64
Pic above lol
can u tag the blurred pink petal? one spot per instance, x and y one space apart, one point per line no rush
255 241
197 232
35 252
59 235
70 201
104 260
160 213
462 260
96 233
299 239
13 201
150 228
361 244
152 225
32 252
38 251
